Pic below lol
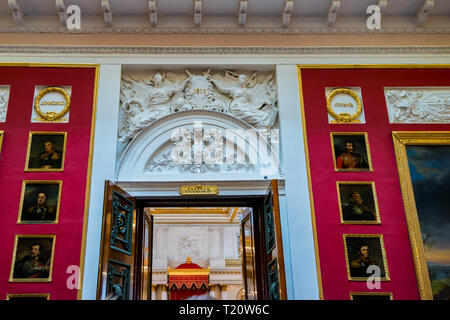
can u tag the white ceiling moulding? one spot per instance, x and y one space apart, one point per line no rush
107 13
362 29
224 50
198 13
424 11
382 4
16 12
62 11
152 13
332 12
288 10
243 6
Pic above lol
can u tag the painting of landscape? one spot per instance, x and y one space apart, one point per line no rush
430 175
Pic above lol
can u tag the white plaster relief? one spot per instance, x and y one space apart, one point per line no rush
151 96
147 156
418 104
4 99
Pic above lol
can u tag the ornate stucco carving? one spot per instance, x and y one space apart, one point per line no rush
218 50
149 155
418 105
4 98
146 98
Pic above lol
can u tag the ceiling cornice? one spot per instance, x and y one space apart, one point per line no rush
407 29
216 50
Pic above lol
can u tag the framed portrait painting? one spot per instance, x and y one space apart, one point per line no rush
32 258
423 160
365 257
358 202
40 201
351 151
46 151
28 296
371 296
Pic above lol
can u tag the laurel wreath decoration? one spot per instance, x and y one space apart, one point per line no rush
52 115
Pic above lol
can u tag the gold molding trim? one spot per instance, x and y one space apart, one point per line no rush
22 196
52 257
383 252
366 139
51 116
375 199
63 155
311 197
372 294
373 66
344 117
2 133
89 176
27 295
188 272
401 140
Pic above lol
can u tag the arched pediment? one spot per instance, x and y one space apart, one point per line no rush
200 145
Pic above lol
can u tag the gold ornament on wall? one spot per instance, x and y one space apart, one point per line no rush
52 116
344 117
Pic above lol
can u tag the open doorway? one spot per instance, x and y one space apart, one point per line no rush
197 251
171 248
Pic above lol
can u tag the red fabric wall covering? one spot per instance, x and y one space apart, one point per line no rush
393 226
18 124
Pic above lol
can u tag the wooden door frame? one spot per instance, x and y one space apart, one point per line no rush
256 202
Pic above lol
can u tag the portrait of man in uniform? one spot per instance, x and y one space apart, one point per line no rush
32 258
357 202
363 252
40 201
351 151
46 151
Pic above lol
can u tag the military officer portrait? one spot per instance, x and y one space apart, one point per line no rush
365 257
358 202
40 202
351 151
46 151
32 261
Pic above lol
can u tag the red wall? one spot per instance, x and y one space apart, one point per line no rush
18 124
393 225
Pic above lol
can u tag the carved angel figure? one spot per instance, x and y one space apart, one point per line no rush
255 105
146 101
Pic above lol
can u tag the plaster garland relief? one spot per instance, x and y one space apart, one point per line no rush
418 104
148 97
4 98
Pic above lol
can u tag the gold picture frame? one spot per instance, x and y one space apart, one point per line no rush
401 140
26 296
31 150
363 240
36 239
365 159
372 203
388 294
50 195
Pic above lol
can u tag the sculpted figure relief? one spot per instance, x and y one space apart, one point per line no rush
255 108
145 99
421 105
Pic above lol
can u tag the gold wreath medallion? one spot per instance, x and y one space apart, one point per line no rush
344 117
52 115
